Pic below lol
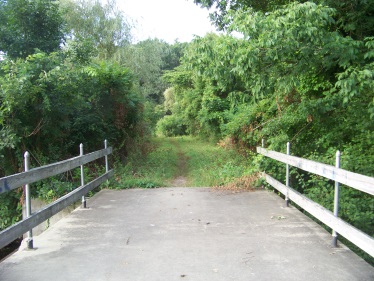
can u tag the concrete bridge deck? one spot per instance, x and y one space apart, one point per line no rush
185 234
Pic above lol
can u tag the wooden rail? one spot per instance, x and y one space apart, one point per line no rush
357 181
11 182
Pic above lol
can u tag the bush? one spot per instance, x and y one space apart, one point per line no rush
171 126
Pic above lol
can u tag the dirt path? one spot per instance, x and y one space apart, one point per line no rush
180 179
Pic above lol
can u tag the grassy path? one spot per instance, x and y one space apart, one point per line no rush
180 178
183 161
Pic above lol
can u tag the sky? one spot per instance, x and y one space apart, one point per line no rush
169 20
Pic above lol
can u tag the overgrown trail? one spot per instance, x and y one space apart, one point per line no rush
180 179
181 162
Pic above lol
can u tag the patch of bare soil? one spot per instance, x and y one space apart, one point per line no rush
179 182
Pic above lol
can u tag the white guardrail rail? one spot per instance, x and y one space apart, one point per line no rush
33 175
331 219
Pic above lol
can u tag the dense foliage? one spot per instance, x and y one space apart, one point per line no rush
293 75
69 74
353 17
96 24
294 71
50 105
29 25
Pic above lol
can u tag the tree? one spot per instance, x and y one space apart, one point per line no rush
103 26
222 7
149 59
354 18
50 104
145 58
292 77
29 25
54 100
295 76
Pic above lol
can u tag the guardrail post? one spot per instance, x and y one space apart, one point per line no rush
84 204
106 157
263 143
287 174
29 241
336 202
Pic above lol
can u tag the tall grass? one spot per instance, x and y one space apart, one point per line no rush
201 163
154 168
210 164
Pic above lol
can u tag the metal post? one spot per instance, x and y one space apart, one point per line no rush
263 143
336 201
29 241
287 174
106 157
84 204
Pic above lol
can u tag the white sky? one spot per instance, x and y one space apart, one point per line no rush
167 19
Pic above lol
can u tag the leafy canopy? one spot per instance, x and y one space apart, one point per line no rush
103 26
353 18
29 25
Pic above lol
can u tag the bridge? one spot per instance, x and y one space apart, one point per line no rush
186 233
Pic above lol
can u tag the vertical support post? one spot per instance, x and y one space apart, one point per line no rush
287 175
263 143
336 202
29 241
84 204
106 157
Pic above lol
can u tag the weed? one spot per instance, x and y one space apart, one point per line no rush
200 163
152 169
243 183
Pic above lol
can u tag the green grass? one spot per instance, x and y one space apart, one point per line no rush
210 164
150 169
201 163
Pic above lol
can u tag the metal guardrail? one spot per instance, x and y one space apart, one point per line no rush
29 176
14 181
357 181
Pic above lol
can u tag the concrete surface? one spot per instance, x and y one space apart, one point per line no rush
185 234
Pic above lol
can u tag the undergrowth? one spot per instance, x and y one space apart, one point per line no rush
147 168
201 163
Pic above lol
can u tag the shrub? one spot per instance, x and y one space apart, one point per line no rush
171 125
